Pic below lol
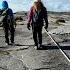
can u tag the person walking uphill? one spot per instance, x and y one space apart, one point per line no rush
8 24
37 14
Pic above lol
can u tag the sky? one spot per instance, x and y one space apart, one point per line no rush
51 5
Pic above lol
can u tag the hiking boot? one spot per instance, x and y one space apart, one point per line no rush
40 46
13 44
7 44
36 46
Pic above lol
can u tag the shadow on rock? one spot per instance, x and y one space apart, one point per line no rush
22 45
44 47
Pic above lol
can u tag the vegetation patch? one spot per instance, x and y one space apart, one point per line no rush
19 19
59 21
4 53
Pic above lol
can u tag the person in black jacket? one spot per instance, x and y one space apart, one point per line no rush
37 15
8 22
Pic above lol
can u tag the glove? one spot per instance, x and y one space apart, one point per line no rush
28 26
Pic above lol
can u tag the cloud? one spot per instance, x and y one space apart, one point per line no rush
51 5
58 5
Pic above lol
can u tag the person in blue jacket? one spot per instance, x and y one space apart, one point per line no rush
8 23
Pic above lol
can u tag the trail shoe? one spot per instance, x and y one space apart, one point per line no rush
40 46
13 44
35 47
7 44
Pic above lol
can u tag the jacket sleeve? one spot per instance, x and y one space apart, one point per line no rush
30 14
45 17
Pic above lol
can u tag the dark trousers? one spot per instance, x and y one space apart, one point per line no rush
37 34
6 30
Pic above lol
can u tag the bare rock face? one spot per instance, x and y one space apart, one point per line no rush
23 56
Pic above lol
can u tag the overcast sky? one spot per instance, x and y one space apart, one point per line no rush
52 5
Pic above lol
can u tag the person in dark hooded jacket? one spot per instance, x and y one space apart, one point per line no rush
37 14
8 22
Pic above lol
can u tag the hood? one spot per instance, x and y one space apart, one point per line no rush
4 5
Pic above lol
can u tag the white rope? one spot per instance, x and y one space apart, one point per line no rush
58 46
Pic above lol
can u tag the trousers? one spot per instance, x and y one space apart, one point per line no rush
37 34
6 31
